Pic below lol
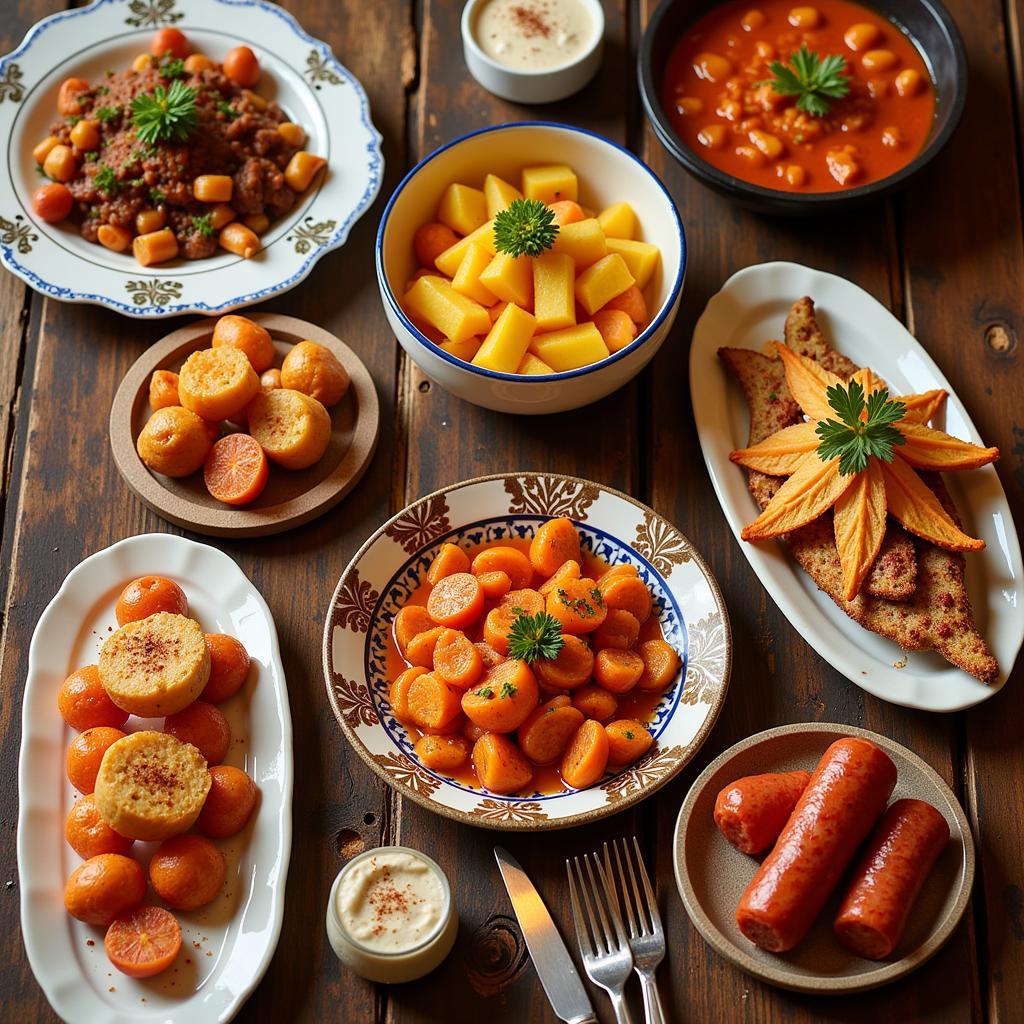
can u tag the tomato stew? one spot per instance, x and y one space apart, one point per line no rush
715 94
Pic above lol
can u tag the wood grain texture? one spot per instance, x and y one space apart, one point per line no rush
946 257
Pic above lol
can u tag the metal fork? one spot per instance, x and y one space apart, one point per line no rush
605 947
646 935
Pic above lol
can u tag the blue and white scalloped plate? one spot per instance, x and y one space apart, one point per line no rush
392 564
299 72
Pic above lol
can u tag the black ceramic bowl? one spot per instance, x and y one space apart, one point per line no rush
927 23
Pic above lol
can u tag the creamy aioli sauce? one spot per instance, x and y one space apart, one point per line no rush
390 902
534 34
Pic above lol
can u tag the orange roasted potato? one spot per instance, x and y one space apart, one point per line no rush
315 371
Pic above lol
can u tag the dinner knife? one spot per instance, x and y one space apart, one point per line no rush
551 959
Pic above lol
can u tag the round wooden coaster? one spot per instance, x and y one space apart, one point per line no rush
290 498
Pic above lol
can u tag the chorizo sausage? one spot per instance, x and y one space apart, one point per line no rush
902 850
752 811
846 795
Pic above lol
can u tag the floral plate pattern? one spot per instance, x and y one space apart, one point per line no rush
301 73
393 562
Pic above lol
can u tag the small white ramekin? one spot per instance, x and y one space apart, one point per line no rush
541 85
393 968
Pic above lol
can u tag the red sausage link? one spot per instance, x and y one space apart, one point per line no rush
752 811
845 797
902 850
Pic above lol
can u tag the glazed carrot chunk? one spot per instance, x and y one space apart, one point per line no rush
595 702
626 569
586 757
500 765
443 753
628 593
567 212
632 303
398 694
627 741
618 671
500 620
569 570
456 660
411 620
577 605
421 647
572 668
456 601
471 730
495 585
449 560
433 704
620 629
431 240
555 543
504 698
508 560
544 735
661 663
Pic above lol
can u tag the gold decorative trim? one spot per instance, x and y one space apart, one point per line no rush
651 770
354 702
548 495
661 544
406 772
354 603
706 661
527 812
423 521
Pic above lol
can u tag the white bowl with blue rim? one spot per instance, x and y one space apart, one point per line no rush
299 72
392 564
608 174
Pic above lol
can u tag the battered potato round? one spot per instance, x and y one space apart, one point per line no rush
174 442
155 666
315 371
217 383
151 786
292 428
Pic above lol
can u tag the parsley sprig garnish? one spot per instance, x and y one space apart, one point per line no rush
535 636
105 179
816 82
203 225
526 228
855 437
165 115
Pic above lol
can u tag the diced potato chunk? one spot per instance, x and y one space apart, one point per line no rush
499 195
570 349
462 208
550 184
510 278
435 301
601 282
641 257
448 262
533 366
464 350
554 301
618 221
583 240
506 344
467 277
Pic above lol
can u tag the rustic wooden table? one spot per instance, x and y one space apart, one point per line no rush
947 256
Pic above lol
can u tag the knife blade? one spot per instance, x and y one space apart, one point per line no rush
551 959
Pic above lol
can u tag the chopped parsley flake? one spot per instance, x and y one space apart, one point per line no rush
508 690
106 180
203 225
105 114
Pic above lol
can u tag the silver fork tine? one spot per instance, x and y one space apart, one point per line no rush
605 948
652 902
636 890
582 936
628 903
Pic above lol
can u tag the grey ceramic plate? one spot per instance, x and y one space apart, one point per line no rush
712 875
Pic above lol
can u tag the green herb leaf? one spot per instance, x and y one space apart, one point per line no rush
226 109
172 67
526 228
864 428
105 114
40 169
165 115
813 80
508 690
202 225
106 180
484 691
156 196
535 636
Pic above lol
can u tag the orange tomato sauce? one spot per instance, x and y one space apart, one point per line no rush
546 780
712 95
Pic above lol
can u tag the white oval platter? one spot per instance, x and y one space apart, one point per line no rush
751 308
237 934
300 72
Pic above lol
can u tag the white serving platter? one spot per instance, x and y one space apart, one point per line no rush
228 945
750 309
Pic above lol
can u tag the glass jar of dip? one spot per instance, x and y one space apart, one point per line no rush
390 916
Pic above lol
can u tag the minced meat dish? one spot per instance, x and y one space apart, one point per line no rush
174 156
